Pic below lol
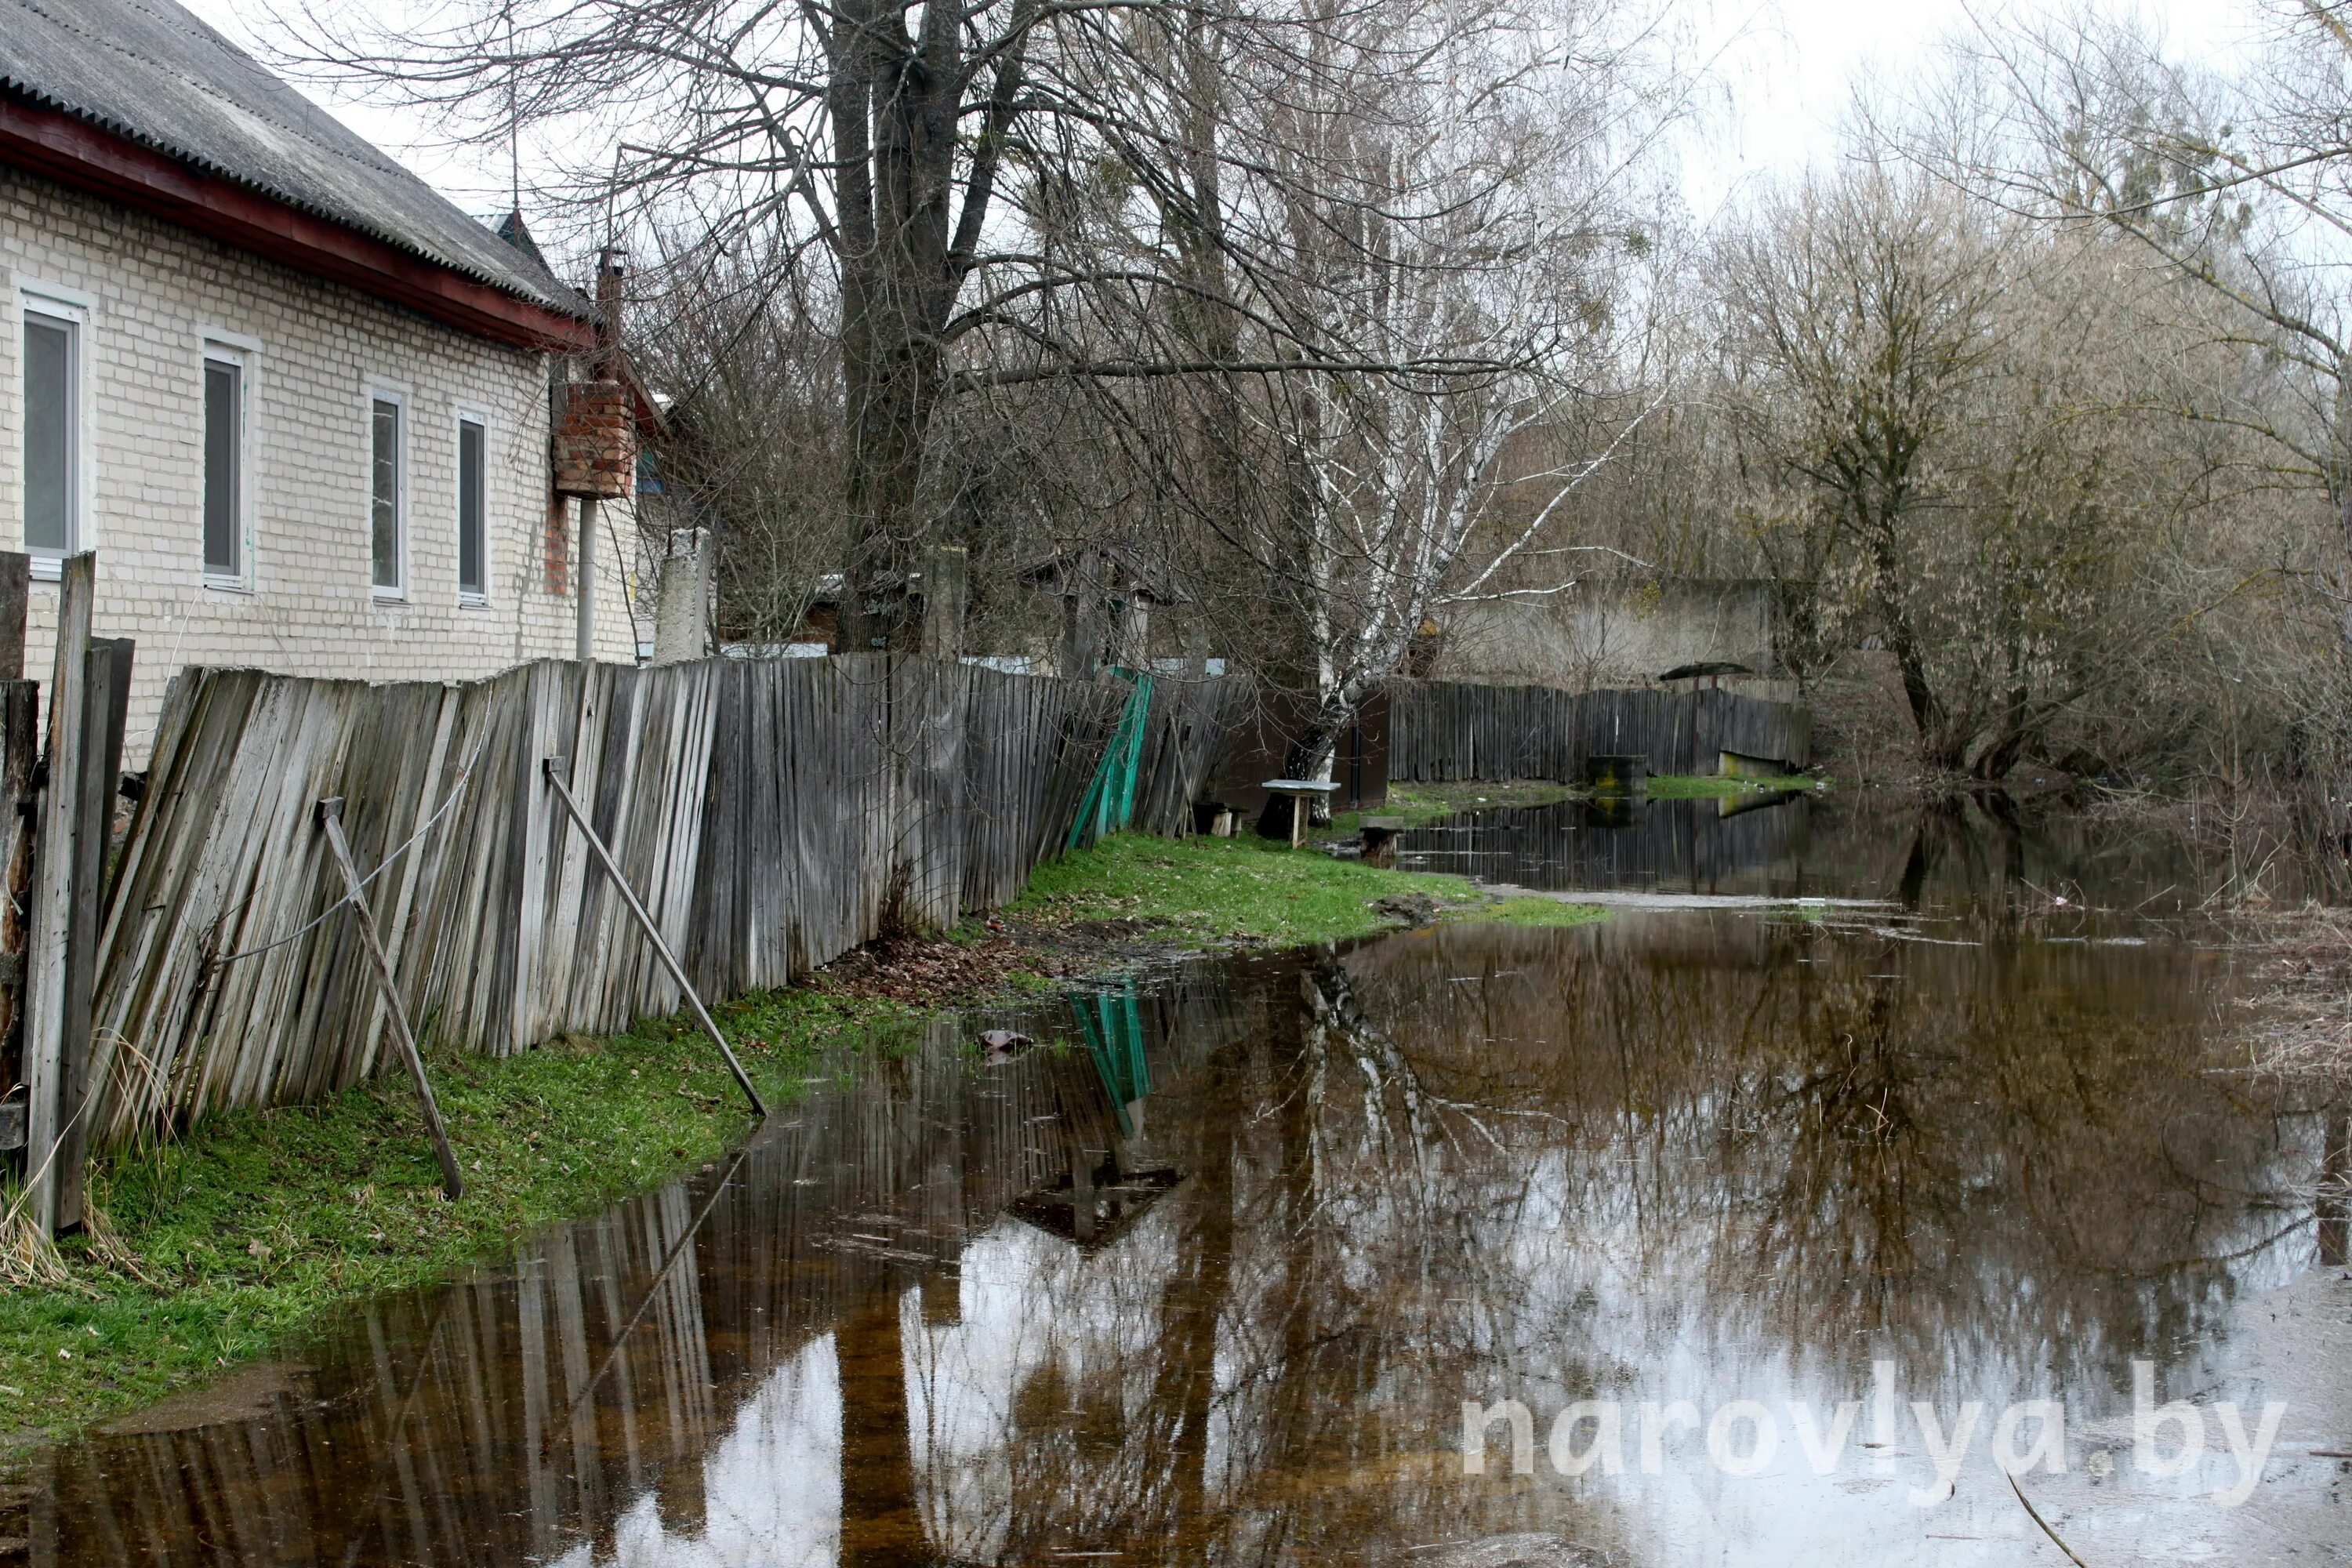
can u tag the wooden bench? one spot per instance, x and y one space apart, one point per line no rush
1298 792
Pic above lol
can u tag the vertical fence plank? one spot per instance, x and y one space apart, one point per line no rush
45 1026
106 704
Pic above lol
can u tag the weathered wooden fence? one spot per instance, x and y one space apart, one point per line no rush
770 813
1442 731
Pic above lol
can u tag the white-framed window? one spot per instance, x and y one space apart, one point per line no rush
388 492
473 507
227 467
56 499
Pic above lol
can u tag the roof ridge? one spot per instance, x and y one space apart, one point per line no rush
155 75
383 162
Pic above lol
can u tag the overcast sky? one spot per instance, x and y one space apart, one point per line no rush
1785 69
1790 65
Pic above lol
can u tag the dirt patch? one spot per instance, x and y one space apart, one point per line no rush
926 970
1092 942
1007 957
1412 909
938 970
246 1394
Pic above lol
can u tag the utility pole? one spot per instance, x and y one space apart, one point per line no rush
585 581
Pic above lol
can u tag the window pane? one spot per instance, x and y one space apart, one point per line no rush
472 503
50 420
223 455
385 495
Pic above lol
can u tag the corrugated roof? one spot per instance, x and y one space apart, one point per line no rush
150 71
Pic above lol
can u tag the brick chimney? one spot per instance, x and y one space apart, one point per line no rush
595 447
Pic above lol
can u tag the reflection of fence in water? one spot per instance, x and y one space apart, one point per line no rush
511 1414
1674 845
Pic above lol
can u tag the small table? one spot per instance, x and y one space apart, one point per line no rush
1299 792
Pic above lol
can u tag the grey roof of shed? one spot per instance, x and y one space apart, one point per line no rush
149 71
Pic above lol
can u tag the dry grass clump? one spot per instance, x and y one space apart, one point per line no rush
2301 990
28 1258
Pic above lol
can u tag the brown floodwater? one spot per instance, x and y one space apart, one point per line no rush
1206 1276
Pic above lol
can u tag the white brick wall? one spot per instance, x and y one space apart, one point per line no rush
155 295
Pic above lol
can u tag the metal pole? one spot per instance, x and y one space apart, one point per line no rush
586 586
331 817
555 768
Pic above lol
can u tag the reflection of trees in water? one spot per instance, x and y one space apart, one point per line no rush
1987 854
1993 854
2005 1165
1261 1371
1473 1163
2335 1190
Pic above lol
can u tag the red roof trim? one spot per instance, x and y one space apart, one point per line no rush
74 153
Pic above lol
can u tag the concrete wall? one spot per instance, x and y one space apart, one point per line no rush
154 295
1609 634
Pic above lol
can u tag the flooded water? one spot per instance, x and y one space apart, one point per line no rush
1208 1274
1793 845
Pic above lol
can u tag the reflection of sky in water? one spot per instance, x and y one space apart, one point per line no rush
1035 1319
771 1488
1672 1158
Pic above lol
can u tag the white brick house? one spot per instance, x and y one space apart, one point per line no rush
297 401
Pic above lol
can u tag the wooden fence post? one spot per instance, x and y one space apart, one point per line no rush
947 581
20 751
331 817
106 697
20 748
51 922
15 592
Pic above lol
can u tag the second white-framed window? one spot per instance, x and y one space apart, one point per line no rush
228 393
388 493
473 509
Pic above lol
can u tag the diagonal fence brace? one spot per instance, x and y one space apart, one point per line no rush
556 768
331 817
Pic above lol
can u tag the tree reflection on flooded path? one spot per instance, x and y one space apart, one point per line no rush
948 1316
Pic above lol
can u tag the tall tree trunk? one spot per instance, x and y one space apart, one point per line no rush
893 101
892 395
2008 744
1938 748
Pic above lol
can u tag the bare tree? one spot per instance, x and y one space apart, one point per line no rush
877 143
753 459
1444 187
1866 306
2237 192
2240 188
